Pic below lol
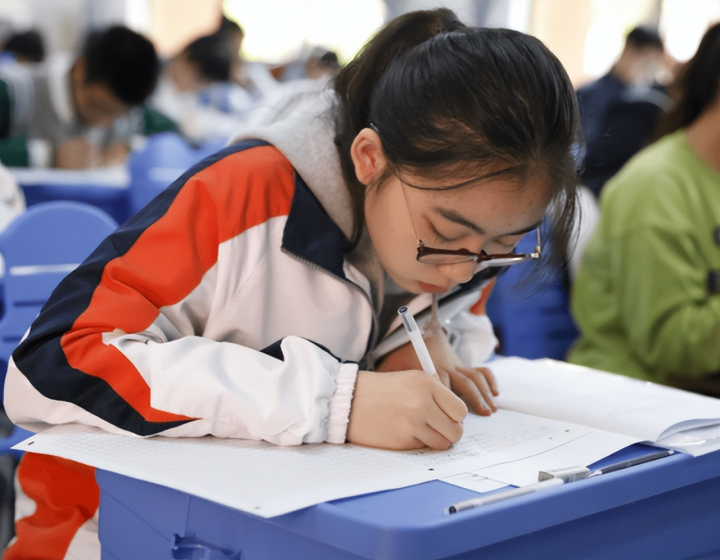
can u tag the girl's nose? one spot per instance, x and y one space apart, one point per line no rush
459 273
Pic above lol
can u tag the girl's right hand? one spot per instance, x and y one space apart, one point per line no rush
404 410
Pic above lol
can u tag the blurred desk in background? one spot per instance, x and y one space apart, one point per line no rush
105 188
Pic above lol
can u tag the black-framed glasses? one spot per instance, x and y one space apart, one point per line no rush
430 255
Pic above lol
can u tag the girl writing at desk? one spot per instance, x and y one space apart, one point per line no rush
250 298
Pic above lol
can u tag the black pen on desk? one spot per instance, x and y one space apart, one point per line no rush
504 495
557 477
632 462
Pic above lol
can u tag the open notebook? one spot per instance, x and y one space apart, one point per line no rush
552 415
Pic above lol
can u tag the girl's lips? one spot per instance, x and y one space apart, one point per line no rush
431 288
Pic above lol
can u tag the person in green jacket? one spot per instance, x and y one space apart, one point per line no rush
647 298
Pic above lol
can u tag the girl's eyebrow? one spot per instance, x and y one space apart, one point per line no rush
454 216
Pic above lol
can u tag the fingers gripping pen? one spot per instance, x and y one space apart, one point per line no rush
417 341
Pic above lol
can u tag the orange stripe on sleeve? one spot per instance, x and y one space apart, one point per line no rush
169 259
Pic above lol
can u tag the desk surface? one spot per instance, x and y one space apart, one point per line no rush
669 508
107 189
110 177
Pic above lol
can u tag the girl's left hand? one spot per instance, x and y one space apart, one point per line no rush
476 386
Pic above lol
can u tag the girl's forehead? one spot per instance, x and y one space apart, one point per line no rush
493 205
498 190
466 177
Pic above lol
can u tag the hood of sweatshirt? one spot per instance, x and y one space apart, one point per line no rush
302 126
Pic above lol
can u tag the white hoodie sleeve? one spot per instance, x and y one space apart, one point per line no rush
224 389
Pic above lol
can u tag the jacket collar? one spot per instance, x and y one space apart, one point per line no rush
303 129
311 234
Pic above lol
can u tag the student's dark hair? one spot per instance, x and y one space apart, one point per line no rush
444 97
696 85
212 56
123 60
228 25
28 45
329 60
644 36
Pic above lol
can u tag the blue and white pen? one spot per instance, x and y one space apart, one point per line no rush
417 341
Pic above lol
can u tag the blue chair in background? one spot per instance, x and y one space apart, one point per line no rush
532 319
165 157
39 248
112 200
103 187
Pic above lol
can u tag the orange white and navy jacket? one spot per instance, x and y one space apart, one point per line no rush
226 306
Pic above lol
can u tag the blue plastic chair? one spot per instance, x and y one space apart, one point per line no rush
40 247
165 157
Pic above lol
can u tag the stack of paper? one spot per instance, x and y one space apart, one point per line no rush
552 416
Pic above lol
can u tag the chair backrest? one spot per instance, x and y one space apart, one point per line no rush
165 157
40 247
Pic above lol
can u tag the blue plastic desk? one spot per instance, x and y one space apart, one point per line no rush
112 200
669 508
106 189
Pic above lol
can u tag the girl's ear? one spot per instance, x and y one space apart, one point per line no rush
368 157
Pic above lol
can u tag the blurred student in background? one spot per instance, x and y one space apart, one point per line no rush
80 111
12 200
12 204
647 296
254 77
196 91
300 80
26 47
310 63
619 111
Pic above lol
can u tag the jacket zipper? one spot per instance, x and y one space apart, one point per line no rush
372 341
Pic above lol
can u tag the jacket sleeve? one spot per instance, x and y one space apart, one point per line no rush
105 352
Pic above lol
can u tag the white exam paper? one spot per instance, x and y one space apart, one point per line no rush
564 416
474 482
695 442
269 480
607 401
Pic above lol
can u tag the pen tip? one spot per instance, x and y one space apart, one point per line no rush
452 509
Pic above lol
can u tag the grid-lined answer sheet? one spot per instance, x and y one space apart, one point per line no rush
268 480
552 415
